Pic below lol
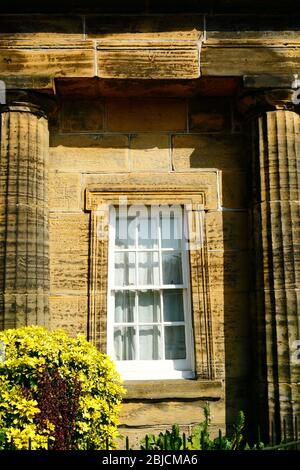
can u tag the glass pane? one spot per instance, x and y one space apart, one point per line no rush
147 233
124 236
124 306
173 305
171 231
175 342
125 268
171 268
148 268
124 343
150 343
149 307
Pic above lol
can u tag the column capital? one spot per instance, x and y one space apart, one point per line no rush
27 101
255 102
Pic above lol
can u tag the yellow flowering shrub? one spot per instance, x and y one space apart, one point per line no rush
31 350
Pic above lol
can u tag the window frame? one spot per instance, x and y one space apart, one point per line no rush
197 192
152 369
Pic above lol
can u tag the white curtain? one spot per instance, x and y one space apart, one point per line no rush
148 268
125 268
150 343
149 307
124 343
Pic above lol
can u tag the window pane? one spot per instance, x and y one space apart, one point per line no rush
124 342
148 268
173 305
124 269
171 268
175 342
149 307
125 233
124 306
150 343
171 231
147 233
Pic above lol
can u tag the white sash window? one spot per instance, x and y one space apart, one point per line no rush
149 313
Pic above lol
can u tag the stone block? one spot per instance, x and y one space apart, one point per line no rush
228 270
149 152
146 59
89 153
226 230
249 60
146 115
234 191
218 151
64 191
173 389
70 313
140 414
59 59
69 253
82 116
209 114
165 185
234 308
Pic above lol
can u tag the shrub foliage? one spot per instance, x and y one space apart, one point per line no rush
56 389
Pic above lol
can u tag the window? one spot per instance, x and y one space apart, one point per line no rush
149 318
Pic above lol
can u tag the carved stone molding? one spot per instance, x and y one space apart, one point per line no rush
98 202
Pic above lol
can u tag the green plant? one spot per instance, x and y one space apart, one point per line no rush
237 441
169 440
199 439
33 358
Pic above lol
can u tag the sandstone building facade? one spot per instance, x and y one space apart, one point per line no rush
193 104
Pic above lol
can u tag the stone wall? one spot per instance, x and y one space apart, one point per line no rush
114 138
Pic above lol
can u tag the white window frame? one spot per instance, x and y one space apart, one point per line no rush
152 369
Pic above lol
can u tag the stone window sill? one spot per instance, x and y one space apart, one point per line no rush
160 390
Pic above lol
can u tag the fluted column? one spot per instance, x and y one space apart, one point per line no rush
276 227
24 245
